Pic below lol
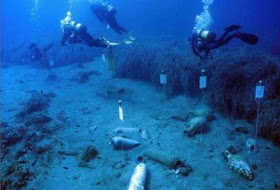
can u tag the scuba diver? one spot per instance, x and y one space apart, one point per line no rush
35 54
75 32
203 41
106 14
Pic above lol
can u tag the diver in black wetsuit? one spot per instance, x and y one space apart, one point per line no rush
77 33
35 54
204 41
106 14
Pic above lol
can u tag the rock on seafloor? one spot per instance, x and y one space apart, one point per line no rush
120 143
145 135
138 179
196 125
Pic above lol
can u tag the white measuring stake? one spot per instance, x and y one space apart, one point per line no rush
121 111
202 82
202 85
103 58
259 95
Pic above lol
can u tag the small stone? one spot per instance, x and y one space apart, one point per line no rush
119 165
186 170
20 153
98 182
121 90
232 150
178 171
145 135
21 160
75 177
118 175
10 170
210 156
43 149
196 125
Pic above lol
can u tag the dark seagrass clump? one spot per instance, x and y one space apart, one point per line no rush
232 85
146 61
89 154
38 102
232 75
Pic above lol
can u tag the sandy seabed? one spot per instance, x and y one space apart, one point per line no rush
91 112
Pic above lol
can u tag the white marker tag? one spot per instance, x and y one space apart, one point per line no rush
259 92
121 113
163 79
103 58
202 82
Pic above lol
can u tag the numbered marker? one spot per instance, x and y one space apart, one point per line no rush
120 111
259 92
163 79
202 82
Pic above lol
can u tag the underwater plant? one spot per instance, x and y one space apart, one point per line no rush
232 78
145 61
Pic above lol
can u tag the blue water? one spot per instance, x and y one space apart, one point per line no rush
143 18
61 117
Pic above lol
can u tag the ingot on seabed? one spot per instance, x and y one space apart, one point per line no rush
239 165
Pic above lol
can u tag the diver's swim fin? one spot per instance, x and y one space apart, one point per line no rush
248 38
127 42
114 43
232 28
110 43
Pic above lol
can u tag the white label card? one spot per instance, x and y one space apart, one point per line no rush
259 92
202 82
163 79
121 113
